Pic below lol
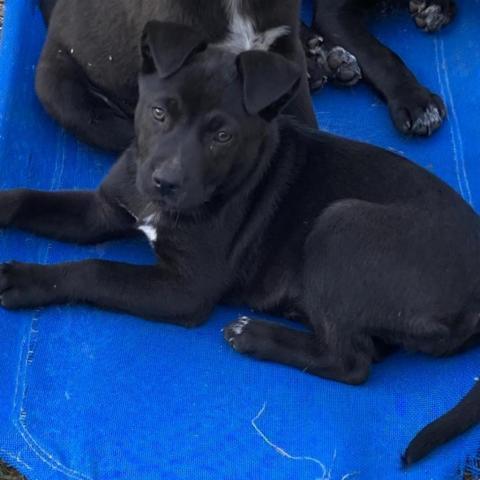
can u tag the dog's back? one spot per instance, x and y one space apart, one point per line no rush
87 74
104 37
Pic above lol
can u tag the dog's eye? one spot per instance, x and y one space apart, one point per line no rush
223 137
159 114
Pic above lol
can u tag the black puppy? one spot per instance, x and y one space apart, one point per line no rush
245 207
87 74
413 108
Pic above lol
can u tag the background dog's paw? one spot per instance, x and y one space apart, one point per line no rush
21 286
418 113
334 63
343 67
432 15
316 62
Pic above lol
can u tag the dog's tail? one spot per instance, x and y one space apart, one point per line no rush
46 7
462 417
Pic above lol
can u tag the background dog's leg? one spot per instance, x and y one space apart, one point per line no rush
146 291
303 350
64 92
413 108
81 217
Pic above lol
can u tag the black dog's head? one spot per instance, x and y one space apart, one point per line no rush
203 114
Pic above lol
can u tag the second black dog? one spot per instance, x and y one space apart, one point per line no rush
87 74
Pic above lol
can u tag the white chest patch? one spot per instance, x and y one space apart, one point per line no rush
148 228
243 34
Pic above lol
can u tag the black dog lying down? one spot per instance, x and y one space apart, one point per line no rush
87 74
413 108
243 206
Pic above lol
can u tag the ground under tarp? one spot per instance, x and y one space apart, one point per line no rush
86 394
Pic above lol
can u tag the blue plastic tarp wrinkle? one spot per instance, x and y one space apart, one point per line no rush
86 394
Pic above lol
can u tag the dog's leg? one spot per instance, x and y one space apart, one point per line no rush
87 217
64 91
146 291
432 15
326 62
81 217
413 108
302 350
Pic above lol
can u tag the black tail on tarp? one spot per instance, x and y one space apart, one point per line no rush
461 418
46 7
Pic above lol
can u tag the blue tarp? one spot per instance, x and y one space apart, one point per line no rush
87 395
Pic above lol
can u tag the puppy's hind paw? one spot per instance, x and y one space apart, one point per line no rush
432 15
236 334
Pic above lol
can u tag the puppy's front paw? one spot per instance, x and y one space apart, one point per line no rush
23 285
237 335
10 201
432 15
417 112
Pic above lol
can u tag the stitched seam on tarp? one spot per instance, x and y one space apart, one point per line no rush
14 458
20 417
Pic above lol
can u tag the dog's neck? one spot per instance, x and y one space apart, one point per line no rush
243 34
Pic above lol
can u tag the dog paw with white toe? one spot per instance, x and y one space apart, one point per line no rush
417 113
432 15
236 334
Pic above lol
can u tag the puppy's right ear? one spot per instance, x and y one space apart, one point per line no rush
167 46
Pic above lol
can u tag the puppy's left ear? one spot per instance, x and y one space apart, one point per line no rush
167 46
270 81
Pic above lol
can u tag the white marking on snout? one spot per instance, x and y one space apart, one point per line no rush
243 34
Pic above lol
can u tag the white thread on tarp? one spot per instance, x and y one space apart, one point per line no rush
326 474
454 124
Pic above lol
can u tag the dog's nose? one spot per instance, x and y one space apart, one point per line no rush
166 185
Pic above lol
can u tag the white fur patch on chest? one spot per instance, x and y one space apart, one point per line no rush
148 228
243 35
